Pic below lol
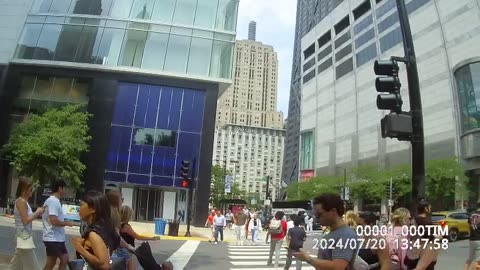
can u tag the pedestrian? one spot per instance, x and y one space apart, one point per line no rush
310 224
330 208
54 228
400 217
377 257
209 224
229 218
278 230
129 235
474 253
115 201
220 224
296 236
255 226
240 219
100 237
24 257
351 219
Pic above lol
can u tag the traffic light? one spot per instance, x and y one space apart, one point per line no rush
186 183
185 170
396 124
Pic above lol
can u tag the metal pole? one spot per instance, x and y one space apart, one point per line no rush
417 140
267 191
189 197
390 200
225 173
344 184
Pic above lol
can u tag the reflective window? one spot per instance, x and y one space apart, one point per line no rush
47 42
133 48
324 39
324 53
206 12
309 76
325 65
41 6
341 40
386 7
142 9
28 41
222 53
366 54
309 51
121 8
468 86
200 53
59 6
388 22
365 23
68 43
306 156
155 50
227 15
91 7
177 54
343 52
309 64
415 4
344 68
391 39
367 36
342 25
158 137
361 9
110 46
163 10
61 89
88 45
184 12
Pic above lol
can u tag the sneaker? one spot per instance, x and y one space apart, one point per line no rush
216 243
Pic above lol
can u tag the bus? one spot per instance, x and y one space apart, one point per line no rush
292 207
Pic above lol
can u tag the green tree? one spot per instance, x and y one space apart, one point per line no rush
443 179
49 146
313 187
217 188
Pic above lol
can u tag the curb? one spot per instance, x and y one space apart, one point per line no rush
178 238
5 259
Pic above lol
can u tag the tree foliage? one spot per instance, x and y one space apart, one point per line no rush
48 147
314 186
443 178
217 188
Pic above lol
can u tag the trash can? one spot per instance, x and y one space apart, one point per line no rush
173 228
160 225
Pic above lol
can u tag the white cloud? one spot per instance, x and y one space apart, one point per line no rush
275 26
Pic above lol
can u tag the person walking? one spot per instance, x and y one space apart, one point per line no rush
209 223
255 225
310 224
24 258
220 223
474 253
296 236
54 224
278 230
229 218
240 219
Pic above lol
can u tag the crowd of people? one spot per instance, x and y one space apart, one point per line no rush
106 240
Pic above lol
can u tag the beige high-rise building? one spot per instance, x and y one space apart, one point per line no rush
252 98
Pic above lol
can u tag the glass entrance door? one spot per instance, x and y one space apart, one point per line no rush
148 204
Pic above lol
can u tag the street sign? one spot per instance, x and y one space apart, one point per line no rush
253 200
345 195
267 202
228 184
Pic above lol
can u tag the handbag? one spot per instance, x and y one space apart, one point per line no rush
116 263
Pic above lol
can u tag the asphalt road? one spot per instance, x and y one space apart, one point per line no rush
194 255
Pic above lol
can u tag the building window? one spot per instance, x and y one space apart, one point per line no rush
205 15
468 86
324 53
309 64
344 68
366 54
343 52
121 8
341 40
306 161
91 7
386 7
388 22
361 9
142 9
309 51
390 40
369 35
416 4
364 24
342 25
324 39
309 76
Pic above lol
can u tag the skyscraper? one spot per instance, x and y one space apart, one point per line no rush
309 14
252 30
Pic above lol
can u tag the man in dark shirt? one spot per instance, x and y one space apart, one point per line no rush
295 237
474 254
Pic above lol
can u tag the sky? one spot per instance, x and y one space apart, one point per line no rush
275 26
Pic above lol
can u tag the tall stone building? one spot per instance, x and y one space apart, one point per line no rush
249 130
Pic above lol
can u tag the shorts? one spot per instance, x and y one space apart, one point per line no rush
123 253
55 249
474 254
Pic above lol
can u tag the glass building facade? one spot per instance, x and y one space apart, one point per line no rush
154 128
182 37
468 86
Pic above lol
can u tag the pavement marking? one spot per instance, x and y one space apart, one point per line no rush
272 268
182 256
251 252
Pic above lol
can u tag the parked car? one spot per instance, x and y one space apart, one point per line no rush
457 222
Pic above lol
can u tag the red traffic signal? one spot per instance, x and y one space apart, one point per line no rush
185 183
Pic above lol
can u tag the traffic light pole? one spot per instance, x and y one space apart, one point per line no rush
417 139
190 197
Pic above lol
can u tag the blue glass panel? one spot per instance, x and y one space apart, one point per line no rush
165 98
141 108
115 177
192 114
388 22
164 161
198 109
188 147
162 181
138 179
125 104
119 144
415 4
152 108
363 24
140 159
175 105
390 40
382 10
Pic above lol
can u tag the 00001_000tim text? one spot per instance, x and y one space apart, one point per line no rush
380 243
405 230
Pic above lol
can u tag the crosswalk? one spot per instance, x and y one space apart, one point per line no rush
255 257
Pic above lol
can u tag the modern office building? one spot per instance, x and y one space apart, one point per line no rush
309 14
150 72
340 123
250 154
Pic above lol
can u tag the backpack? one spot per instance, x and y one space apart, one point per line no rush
275 226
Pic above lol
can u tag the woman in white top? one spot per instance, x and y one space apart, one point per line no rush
309 224
255 225
25 257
